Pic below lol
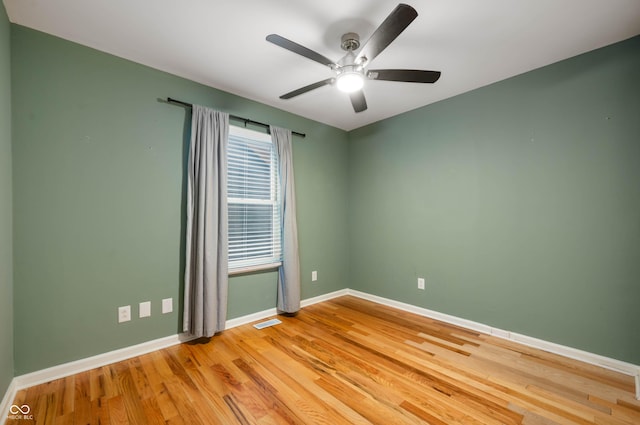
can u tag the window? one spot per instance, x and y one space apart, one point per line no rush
254 201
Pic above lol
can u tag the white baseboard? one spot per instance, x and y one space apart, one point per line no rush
239 321
82 365
7 400
66 369
573 353
576 354
467 324
324 297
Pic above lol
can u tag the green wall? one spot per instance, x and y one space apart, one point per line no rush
6 256
98 193
518 202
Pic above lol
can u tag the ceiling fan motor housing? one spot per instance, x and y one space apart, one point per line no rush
350 41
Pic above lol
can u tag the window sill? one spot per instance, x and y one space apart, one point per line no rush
252 269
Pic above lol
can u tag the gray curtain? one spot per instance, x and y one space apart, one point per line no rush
289 273
206 266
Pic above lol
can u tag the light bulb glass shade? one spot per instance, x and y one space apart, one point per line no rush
350 81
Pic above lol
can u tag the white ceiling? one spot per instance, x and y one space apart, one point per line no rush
222 43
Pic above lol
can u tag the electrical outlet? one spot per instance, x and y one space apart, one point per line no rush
167 305
421 283
124 313
314 276
145 309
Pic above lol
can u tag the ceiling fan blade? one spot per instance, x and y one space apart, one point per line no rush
405 75
358 101
391 28
305 89
299 49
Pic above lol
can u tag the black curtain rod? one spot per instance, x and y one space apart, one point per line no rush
234 117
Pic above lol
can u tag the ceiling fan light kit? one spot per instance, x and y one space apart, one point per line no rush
350 80
350 71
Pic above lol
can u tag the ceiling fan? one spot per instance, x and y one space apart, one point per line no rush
351 70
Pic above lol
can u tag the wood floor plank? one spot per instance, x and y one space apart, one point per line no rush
316 406
343 361
100 411
117 411
453 393
307 379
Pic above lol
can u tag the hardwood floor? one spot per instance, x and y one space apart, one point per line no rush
344 361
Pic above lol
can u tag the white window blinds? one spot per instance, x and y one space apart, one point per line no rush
253 199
